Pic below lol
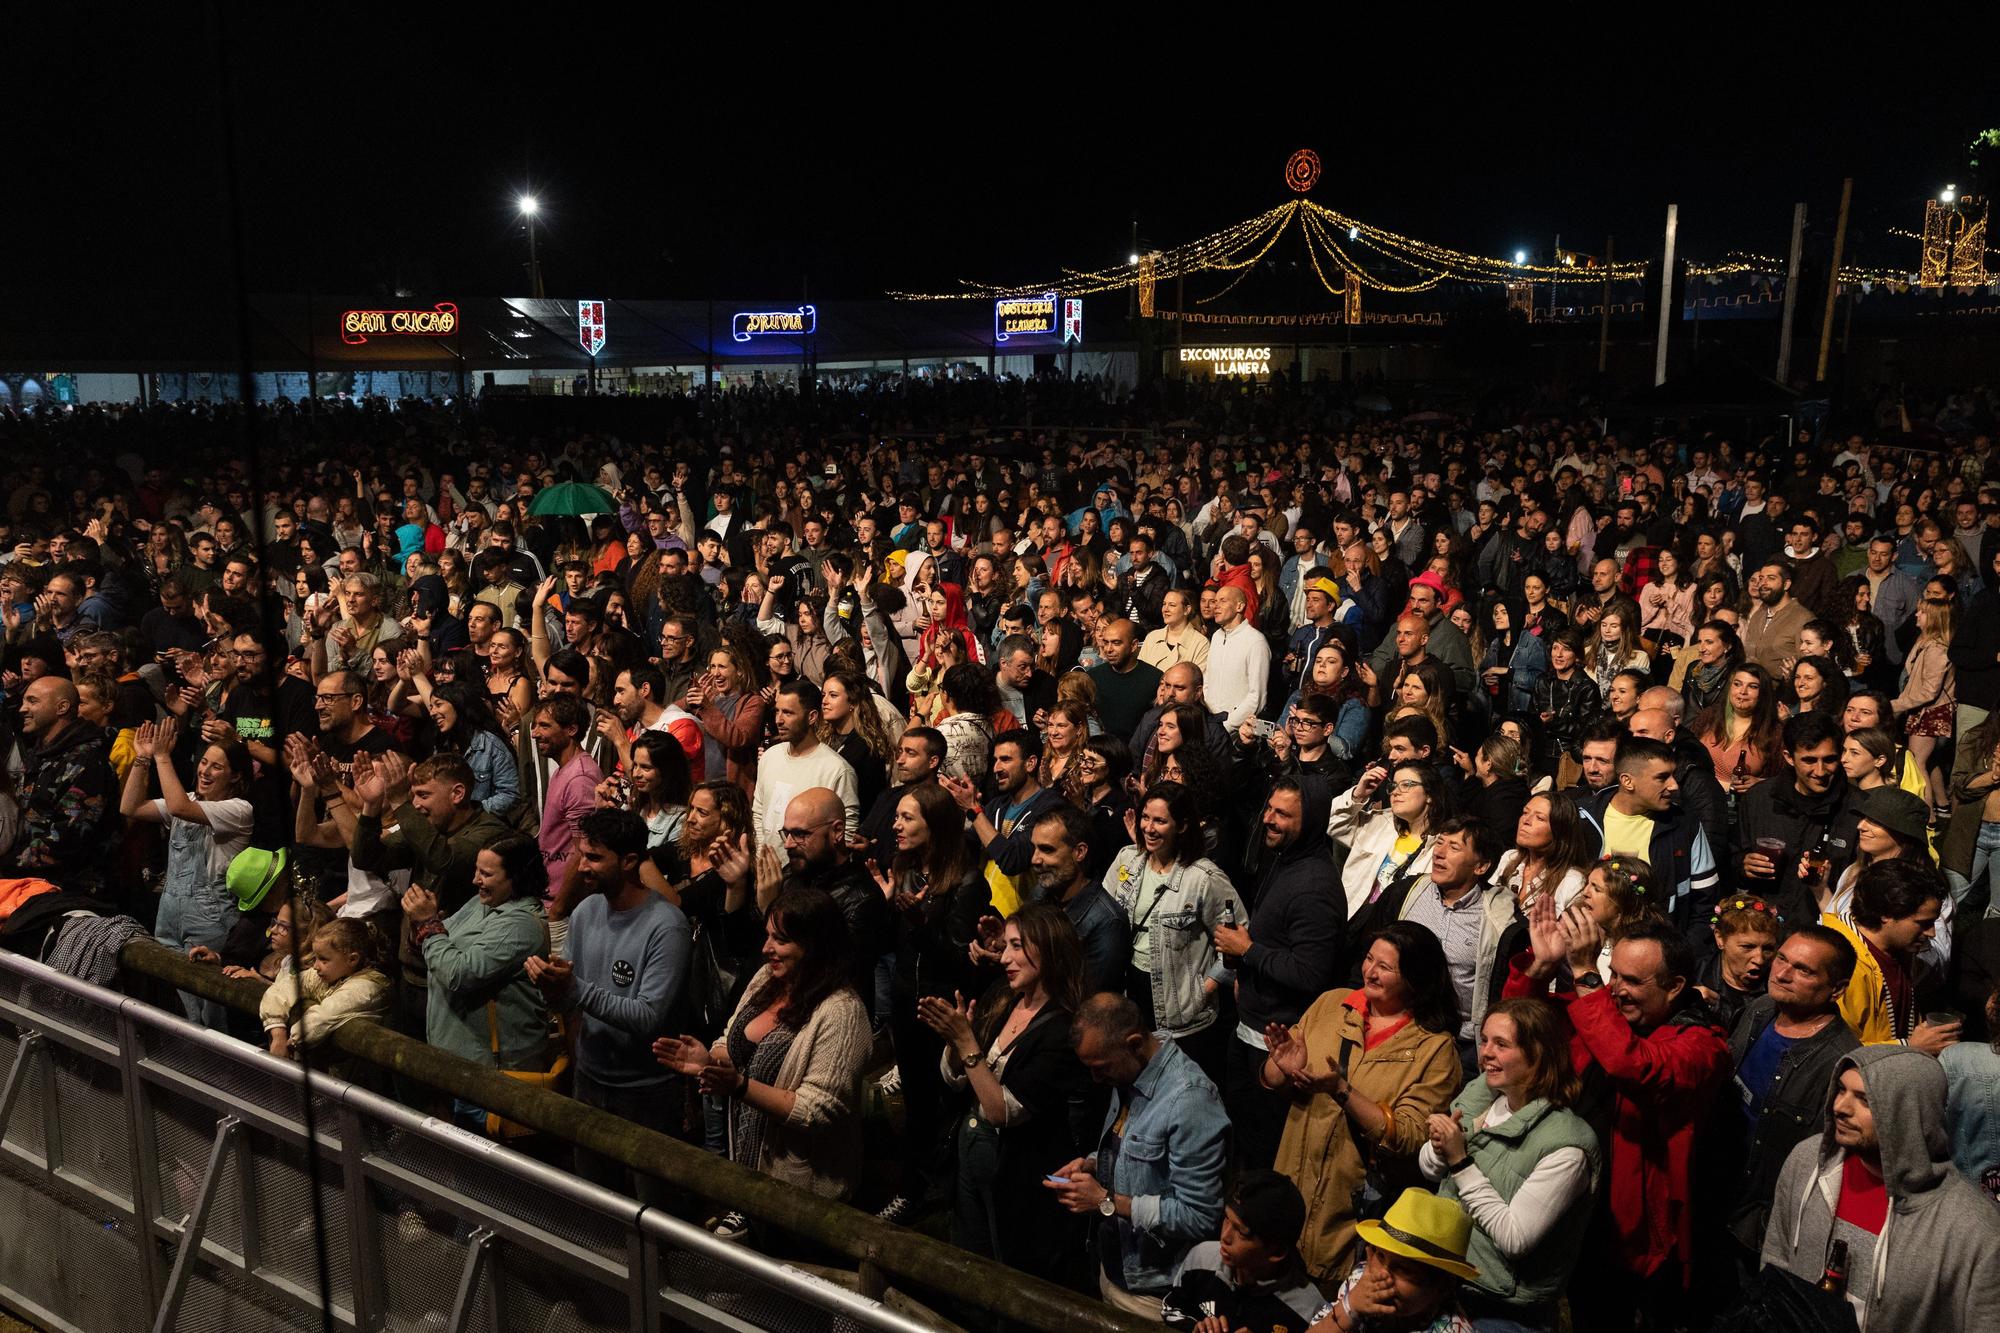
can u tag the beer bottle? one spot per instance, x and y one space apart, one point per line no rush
1834 1280
1742 769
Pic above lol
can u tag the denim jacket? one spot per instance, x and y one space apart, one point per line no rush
1181 927
1169 1162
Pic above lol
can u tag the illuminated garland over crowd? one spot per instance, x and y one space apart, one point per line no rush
1394 263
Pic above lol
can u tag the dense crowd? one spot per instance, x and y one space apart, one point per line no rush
1303 871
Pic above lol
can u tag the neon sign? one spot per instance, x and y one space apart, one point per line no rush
358 326
1017 315
1072 319
590 325
1230 361
748 324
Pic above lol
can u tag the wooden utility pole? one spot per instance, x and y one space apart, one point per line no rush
1791 293
1833 276
1666 294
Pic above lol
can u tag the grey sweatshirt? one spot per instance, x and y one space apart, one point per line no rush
630 967
1937 1261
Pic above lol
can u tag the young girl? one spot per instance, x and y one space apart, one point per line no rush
340 984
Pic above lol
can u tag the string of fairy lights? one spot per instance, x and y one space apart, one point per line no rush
1343 249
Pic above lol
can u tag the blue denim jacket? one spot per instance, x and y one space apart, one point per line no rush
1170 1163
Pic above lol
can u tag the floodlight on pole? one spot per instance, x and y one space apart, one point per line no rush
1520 257
531 208
1948 195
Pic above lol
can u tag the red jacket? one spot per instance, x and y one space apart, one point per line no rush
1662 1084
1238 577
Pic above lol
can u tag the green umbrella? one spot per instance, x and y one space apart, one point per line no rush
572 497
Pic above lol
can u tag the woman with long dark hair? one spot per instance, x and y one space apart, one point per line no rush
1741 731
937 886
1818 685
659 786
466 727
1365 1069
1514 660
1010 1056
852 724
790 1057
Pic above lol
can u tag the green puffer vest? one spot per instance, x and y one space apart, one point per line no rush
1507 1154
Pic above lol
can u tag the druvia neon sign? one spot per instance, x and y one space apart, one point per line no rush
748 324
358 326
1019 315
590 325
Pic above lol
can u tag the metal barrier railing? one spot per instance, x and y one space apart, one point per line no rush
159 1175
513 1211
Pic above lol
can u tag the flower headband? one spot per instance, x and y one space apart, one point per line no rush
1633 873
1743 905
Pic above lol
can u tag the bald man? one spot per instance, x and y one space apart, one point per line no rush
1239 660
68 794
815 841
1183 683
1408 643
1125 685
1701 795
1667 701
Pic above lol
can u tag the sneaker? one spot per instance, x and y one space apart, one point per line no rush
898 1211
731 1226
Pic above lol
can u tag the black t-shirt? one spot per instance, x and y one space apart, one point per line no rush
329 864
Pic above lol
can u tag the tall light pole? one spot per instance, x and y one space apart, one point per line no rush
531 207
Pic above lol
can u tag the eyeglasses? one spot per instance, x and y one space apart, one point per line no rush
1405 785
801 834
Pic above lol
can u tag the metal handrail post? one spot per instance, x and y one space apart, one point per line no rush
197 1222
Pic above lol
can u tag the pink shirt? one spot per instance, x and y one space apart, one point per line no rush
572 794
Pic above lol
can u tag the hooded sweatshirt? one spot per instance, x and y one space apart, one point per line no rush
1296 926
1937 1257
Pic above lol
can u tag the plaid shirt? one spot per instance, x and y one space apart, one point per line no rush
1642 566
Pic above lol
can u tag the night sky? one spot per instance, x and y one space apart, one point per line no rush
676 161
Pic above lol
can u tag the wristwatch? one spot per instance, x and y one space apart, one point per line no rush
1588 981
1107 1207
973 1061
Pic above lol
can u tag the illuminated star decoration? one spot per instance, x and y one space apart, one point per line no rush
1302 170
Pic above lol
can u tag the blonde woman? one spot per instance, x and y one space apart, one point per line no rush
1181 639
1930 688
